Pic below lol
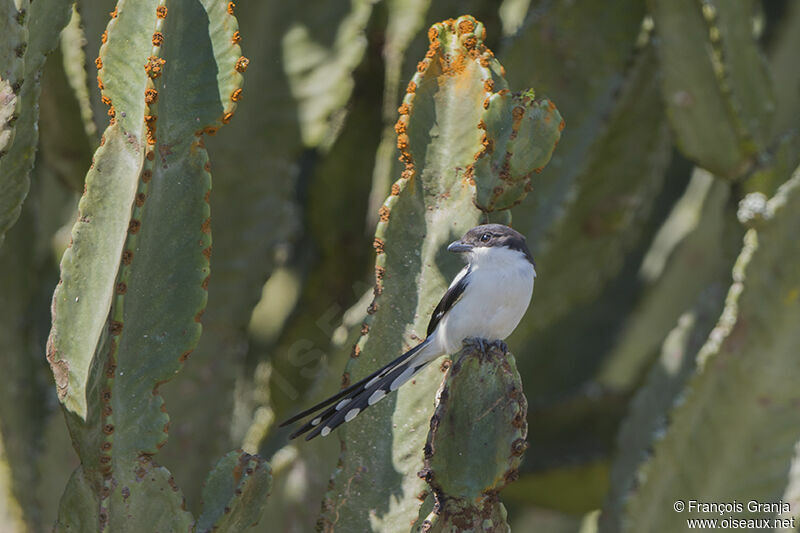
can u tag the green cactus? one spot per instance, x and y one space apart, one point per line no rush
591 210
125 315
406 42
28 267
255 213
485 427
720 101
237 475
604 216
589 207
323 46
15 31
30 32
336 255
606 362
634 250
442 134
781 56
24 407
66 145
93 22
519 138
742 388
651 406
701 226
73 39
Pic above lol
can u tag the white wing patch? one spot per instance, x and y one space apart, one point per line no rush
342 403
402 378
376 397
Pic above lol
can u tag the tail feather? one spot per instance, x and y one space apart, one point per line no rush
333 417
345 396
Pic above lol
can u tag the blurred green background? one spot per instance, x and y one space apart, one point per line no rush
681 121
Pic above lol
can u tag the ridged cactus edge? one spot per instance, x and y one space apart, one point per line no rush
234 494
30 32
721 102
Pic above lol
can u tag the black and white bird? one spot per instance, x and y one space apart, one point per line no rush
486 300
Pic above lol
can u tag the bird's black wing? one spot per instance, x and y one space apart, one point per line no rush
454 292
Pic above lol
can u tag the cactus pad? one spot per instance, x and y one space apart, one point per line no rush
480 420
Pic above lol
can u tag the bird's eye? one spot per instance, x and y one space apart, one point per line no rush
485 237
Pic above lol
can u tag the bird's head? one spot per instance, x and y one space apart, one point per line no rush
491 241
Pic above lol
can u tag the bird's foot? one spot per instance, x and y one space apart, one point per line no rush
485 346
477 343
500 345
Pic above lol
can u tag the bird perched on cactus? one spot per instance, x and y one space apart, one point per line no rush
486 300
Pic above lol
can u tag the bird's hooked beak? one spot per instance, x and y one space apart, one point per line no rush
459 247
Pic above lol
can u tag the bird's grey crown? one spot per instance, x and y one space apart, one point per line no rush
498 235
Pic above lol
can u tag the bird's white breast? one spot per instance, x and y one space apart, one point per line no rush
494 302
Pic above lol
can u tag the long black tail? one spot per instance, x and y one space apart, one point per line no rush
351 401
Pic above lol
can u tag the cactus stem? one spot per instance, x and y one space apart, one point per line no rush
116 327
723 76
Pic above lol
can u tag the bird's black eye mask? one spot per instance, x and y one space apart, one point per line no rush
481 240
497 235
486 235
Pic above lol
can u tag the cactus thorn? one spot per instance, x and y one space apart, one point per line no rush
241 64
154 66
